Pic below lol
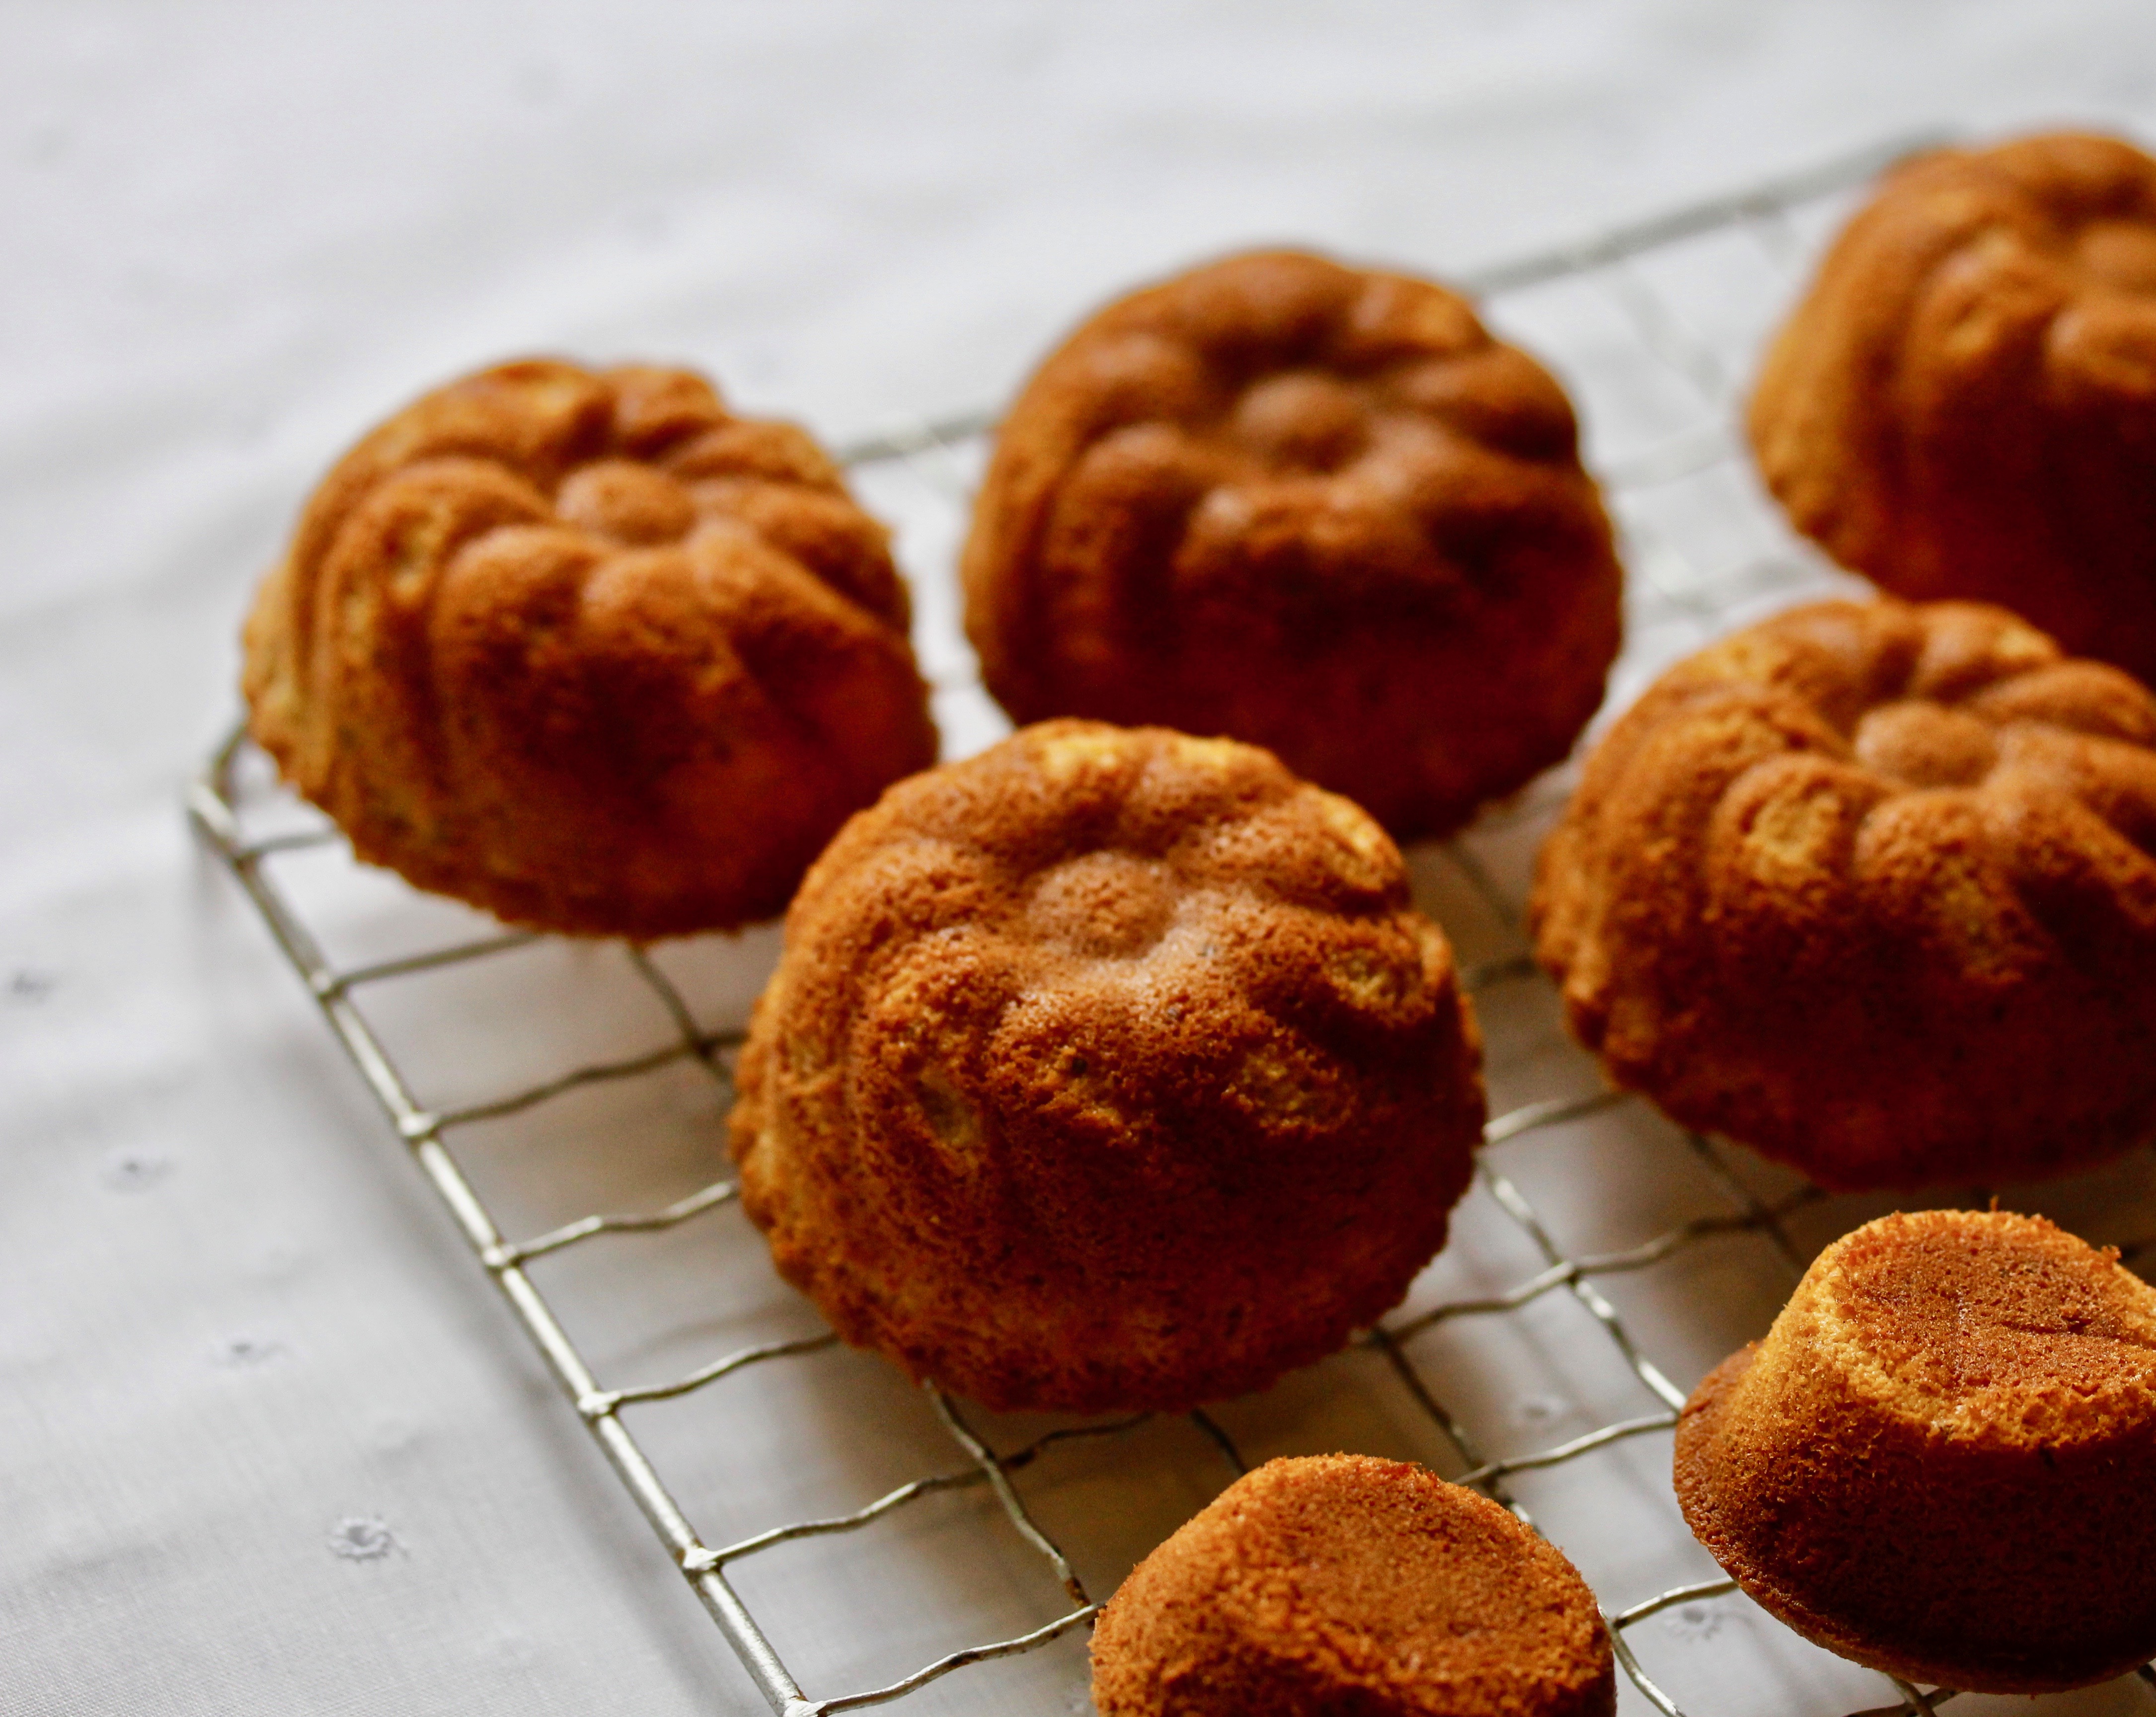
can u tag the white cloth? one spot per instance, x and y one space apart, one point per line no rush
268 1443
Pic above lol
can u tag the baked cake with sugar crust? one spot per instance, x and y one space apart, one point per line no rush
587 650
1340 1583
1872 888
1940 1460
1315 508
1109 1069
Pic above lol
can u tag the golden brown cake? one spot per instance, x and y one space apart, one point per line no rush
1870 889
1940 1460
1316 508
1964 405
1339 1584
585 650
1105 1070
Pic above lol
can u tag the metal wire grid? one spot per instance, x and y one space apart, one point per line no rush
1667 584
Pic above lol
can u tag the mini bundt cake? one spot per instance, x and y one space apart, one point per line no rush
1107 1070
585 650
1872 888
1312 507
1965 404
1342 1584
1940 1460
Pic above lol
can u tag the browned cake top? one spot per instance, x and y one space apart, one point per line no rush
610 464
1989 1325
1352 1574
1931 766
2066 216
1136 875
1301 502
1109 1068
1270 381
2022 275
1403 1576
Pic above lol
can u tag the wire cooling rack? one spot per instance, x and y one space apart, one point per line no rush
1527 1326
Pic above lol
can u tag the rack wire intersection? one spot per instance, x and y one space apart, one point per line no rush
1687 585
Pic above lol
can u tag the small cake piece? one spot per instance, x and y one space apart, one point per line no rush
1964 405
585 650
1872 888
1339 1583
1107 1070
1940 1460
1314 507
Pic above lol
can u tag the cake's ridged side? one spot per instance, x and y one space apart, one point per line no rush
1873 889
586 651
1315 508
1964 403
1988 1538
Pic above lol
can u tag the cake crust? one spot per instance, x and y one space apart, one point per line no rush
1936 1463
1964 403
585 649
1315 507
1872 888
1340 1583
1109 1069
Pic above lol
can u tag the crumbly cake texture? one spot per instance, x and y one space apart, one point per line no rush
1964 405
1870 889
1940 1460
1338 1583
1315 507
584 649
1108 1069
